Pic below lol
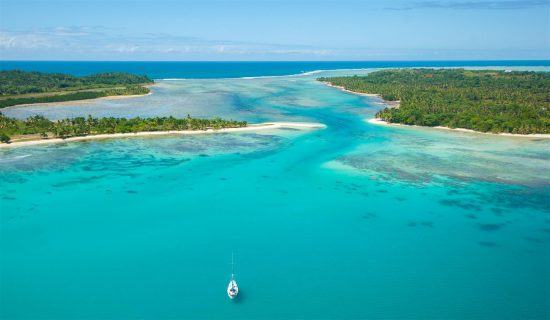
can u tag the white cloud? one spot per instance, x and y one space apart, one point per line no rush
92 40
98 43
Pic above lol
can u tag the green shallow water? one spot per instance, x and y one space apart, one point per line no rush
353 221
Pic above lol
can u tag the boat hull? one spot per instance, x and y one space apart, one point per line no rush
232 289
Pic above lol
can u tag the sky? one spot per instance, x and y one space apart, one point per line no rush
195 30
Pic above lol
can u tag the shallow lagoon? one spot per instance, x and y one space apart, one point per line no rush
353 221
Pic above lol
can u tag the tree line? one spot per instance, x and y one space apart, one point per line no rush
81 126
21 87
80 95
481 100
14 82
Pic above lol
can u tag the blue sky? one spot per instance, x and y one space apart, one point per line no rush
274 30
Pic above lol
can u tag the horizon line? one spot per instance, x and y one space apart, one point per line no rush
329 61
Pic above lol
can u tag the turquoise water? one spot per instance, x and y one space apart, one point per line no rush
352 221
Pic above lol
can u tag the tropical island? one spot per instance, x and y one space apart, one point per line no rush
21 87
39 130
482 100
39 127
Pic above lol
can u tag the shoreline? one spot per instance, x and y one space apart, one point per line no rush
378 121
395 104
391 104
80 101
252 127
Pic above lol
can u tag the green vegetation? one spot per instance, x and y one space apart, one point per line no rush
38 125
486 101
21 82
20 87
4 138
79 95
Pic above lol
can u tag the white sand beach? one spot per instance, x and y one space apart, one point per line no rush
251 127
349 91
391 104
82 101
379 121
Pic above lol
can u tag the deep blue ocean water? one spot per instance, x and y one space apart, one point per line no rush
355 221
208 70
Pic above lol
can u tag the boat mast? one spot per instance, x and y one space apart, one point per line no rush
232 265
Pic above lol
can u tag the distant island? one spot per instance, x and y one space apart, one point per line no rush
21 87
486 101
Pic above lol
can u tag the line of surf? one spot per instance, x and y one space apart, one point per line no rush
309 73
303 74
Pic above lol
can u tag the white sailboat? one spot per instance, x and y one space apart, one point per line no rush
232 288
